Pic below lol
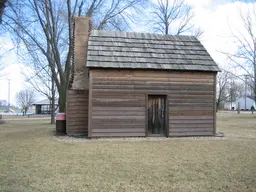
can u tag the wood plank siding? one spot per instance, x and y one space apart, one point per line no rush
119 98
77 112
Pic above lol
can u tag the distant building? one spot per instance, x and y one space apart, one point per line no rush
44 107
229 105
246 102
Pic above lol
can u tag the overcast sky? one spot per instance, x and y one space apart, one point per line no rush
214 17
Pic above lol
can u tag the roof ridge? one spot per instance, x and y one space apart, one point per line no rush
139 34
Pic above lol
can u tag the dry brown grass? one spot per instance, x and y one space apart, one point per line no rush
31 160
7 117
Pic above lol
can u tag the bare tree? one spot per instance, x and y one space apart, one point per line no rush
229 88
25 99
45 28
222 88
173 17
41 80
245 39
234 89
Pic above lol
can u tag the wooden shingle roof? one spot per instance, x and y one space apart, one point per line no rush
147 51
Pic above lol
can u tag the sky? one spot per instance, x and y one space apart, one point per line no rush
214 17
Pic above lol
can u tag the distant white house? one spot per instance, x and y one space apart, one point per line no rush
229 105
246 102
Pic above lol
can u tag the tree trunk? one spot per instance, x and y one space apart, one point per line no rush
254 67
53 103
62 99
53 111
217 105
166 28
254 90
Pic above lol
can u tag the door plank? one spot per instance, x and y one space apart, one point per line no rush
156 114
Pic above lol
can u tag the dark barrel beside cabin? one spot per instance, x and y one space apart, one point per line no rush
61 124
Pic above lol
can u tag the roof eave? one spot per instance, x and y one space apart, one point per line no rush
150 69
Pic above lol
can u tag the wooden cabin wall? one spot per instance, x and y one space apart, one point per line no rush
77 112
118 102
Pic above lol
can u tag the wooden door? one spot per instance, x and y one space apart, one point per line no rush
156 115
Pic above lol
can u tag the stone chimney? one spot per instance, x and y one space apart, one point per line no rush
81 34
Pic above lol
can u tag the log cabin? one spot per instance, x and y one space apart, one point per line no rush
127 84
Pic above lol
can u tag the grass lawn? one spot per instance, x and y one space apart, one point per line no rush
32 160
25 117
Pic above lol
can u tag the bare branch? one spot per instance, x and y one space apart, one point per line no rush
45 29
25 98
172 17
244 57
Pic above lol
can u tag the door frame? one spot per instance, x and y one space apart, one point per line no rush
166 112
